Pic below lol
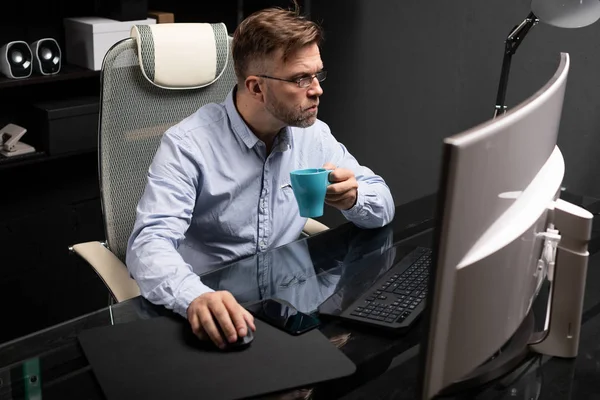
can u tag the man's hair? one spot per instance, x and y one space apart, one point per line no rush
268 30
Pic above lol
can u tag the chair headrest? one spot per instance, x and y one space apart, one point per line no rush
182 55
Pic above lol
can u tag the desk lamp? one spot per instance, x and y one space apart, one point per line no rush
559 13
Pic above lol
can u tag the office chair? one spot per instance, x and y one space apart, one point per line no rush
160 75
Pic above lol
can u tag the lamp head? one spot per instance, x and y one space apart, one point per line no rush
566 13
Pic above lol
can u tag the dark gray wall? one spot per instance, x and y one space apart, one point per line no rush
405 74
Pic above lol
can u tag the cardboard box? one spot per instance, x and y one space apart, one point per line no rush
88 39
162 17
66 126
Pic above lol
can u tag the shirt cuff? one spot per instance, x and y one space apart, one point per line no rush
191 290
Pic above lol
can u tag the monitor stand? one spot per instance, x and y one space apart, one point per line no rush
565 304
510 357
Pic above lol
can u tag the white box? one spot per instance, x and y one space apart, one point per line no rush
88 39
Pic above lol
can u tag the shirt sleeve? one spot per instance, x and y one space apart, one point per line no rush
163 215
374 205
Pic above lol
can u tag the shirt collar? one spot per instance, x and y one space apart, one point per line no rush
283 140
237 123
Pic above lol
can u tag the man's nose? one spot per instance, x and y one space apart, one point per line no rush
315 88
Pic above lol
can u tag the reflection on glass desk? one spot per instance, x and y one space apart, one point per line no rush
50 364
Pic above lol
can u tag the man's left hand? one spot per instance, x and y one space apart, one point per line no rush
343 190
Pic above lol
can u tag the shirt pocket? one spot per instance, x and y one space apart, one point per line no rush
285 195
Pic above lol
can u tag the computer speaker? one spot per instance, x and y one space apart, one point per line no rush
46 56
16 60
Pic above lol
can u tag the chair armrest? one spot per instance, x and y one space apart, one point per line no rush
313 227
110 269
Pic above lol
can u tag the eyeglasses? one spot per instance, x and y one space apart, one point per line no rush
302 82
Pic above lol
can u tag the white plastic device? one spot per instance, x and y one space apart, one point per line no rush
9 141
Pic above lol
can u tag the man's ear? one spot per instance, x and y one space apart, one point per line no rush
253 86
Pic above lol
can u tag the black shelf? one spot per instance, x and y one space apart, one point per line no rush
35 158
67 72
22 159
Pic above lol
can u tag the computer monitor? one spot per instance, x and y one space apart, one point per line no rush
499 184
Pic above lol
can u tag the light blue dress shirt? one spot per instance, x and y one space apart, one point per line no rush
214 196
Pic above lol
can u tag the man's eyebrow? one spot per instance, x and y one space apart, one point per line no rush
307 73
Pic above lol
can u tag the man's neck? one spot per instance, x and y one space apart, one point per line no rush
259 120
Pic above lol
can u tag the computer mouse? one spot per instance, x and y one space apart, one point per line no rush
242 341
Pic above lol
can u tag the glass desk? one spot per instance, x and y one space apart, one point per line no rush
50 364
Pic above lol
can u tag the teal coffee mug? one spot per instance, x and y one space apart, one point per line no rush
309 186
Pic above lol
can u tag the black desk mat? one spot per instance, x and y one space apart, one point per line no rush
160 358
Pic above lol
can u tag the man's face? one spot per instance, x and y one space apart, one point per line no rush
290 104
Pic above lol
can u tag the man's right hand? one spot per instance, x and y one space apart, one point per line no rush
228 313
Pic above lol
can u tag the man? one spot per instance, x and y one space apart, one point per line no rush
218 188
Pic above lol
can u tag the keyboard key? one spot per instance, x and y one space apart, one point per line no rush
382 297
390 320
370 299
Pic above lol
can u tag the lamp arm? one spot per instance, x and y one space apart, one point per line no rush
514 39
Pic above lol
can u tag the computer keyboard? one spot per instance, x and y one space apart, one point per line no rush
398 297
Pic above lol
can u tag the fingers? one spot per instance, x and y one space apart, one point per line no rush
329 166
337 198
250 320
195 324
338 189
208 324
342 195
237 315
201 334
221 314
340 175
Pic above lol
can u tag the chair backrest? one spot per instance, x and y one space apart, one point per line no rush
150 82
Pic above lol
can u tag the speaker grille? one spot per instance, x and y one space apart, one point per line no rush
48 56
19 57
